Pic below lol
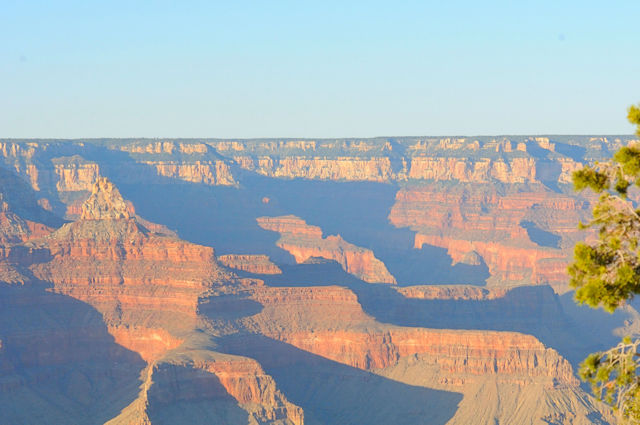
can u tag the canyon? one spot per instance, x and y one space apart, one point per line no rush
289 282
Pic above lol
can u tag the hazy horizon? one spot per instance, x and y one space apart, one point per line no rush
311 138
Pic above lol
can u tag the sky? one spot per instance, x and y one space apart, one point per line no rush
314 69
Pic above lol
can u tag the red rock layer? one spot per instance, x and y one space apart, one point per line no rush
115 266
329 322
246 381
239 377
304 241
477 219
453 352
480 210
147 286
507 264
258 264
149 343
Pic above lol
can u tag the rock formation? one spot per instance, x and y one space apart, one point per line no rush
257 264
523 236
114 319
146 288
304 242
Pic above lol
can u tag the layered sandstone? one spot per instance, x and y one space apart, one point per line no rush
322 168
454 353
202 386
168 303
211 162
206 172
507 264
75 174
65 171
304 241
16 204
344 333
514 377
104 203
523 236
146 285
483 211
146 288
257 264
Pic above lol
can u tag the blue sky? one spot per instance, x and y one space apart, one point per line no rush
242 69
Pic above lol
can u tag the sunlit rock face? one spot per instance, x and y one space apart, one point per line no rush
257 264
295 281
305 242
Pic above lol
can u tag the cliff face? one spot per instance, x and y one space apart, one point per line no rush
319 328
146 288
480 160
211 387
240 378
21 217
456 355
58 363
128 273
329 322
523 237
181 338
216 162
257 264
484 199
304 242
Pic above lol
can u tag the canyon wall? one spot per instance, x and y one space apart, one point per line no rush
305 242
270 333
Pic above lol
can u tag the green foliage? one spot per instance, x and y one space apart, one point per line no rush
634 117
629 158
590 178
607 272
614 379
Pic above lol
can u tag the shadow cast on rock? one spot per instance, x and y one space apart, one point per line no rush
332 393
359 212
225 216
59 363
536 310
185 395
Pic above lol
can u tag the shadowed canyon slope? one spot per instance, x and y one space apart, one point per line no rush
396 280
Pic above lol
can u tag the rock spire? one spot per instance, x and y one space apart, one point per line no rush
105 202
